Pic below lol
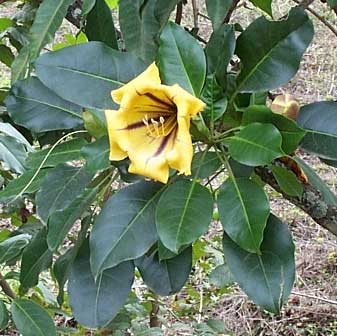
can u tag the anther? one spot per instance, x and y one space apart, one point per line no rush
155 125
162 121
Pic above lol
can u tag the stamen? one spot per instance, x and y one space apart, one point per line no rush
162 121
155 125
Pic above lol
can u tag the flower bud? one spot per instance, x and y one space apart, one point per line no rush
286 105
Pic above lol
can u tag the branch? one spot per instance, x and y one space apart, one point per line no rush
195 13
179 13
311 202
5 286
231 10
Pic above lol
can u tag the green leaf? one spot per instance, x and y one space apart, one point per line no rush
319 120
112 3
164 253
122 232
291 133
287 181
12 153
183 214
34 106
61 221
35 258
95 303
60 188
256 144
217 10
328 196
73 75
267 278
20 65
5 23
100 25
242 216
221 276
6 55
10 130
4 318
332 3
265 5
274 57
181 59
15 186
207 167
96 155
219 51
94 124
12 247
62 153
31 319
213 96
87 6
47 20
168 276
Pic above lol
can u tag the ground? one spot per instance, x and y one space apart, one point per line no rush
312 306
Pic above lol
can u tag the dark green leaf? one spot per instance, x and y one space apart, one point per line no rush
320 121
274 57
291 133
221 276
96 155
12 153
168 276
74 76
34 106
332 3
60 188
219 51
207 167
6 55
240 170
163 10
125 229
4 318
87 6
35 258
164 253
12 247
20 65
100 25
287 181
10 130
95 303
181 59
265 5
61 221
256 144
183 214
62 153
242 216
267 278
217 10
31 319
47 20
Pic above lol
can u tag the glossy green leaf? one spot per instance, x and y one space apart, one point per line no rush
164 253
183 214
256 144
8 129
34 106
181 59
95 303
47 20
20 65
96 155
87 6
243 210
122 232
100 25
319 120
60 188
5 23
287 181
65 152
12 153
6 55
12 247
221 276
274 57
265 5
240 170
4 318
217 10
31 319
291 133
35 258
267 278
71 71
207 167
328 196
168 276
219 51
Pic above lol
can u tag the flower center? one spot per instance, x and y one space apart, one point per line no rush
160 126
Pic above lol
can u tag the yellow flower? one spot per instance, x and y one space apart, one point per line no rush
152 125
